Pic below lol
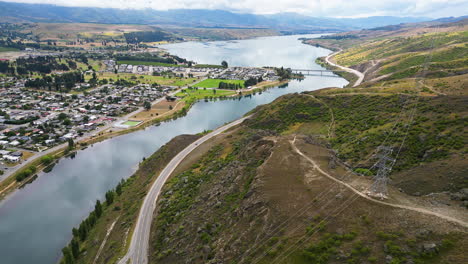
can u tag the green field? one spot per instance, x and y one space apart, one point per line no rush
149 63
197 94
131 123
214 83
175 81
5 49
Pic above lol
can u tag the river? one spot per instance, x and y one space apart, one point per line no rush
36 221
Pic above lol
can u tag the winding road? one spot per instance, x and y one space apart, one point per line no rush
359 74
138 250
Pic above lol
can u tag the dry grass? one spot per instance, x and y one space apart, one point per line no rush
160 109
27 154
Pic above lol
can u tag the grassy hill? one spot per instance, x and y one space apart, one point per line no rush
390 56
251 198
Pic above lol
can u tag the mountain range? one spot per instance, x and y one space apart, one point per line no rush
21 12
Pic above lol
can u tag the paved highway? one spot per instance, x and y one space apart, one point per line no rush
359 74
138 249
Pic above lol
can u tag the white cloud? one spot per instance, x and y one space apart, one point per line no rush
330 8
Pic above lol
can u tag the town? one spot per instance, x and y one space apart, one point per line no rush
35 119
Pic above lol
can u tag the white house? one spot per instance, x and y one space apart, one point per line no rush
12 159
14 143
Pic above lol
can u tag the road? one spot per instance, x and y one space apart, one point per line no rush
138 250
359 74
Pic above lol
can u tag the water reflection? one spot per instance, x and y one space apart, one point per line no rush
36 221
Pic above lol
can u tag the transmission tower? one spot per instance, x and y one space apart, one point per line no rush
384 165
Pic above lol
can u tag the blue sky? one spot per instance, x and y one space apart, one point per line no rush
327 8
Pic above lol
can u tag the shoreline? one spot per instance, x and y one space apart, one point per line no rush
326 63
9 185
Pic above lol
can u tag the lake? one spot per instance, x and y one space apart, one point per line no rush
36 221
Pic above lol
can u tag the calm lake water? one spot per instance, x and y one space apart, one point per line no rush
36 221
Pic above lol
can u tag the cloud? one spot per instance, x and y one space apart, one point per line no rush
329 8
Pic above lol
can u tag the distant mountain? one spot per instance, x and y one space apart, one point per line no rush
187 17
451 19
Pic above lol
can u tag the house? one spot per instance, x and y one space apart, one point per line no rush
50 142
4 152
12 159
16 154
15 143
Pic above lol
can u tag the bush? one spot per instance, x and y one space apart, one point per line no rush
25 173
47 159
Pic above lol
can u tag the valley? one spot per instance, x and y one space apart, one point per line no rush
235 133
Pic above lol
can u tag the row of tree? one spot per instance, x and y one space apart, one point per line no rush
72 251
56 82
43 64
253 81
147 36
230 86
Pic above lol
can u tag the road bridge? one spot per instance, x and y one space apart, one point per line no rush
308 72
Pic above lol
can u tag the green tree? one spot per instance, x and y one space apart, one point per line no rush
75 248
118 189
62 116
147 105
67 255
98 208
47 159
67 122
71 143
109 197
224 64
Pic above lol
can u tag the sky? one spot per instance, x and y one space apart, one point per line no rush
318 8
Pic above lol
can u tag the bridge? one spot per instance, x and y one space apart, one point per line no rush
307 72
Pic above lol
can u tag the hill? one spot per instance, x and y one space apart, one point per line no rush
295 183
283 187
393 57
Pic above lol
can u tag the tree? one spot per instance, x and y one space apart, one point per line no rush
75 248
118 189
224 64
147 105
71 143
47 159
98 208
67 122
109 197
62 116
67 255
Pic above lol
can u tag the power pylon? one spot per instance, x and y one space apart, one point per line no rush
384 165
